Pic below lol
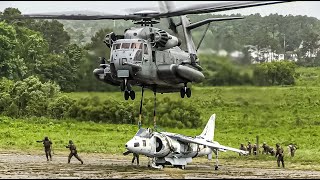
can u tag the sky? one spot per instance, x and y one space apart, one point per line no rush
309 8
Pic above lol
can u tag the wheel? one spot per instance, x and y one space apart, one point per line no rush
183 167
216 167
160 167
188 92
126 95
132 95
182 92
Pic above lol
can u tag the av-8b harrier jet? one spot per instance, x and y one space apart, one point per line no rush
175 149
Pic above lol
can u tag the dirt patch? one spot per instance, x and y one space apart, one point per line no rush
15 165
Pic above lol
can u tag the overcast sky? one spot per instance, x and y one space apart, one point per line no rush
309 8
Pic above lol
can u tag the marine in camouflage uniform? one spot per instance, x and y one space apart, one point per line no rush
242 148
279 155
249 147
135 156
73 152
254 149
47 144
265 148
271 151
292 149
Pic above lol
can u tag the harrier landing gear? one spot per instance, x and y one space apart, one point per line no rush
185 91
128 92
216 166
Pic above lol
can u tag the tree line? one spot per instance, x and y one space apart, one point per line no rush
44 49
32 98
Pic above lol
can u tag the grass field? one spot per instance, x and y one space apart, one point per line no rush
282 115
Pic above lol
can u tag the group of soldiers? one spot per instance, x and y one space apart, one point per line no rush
278 153
47 144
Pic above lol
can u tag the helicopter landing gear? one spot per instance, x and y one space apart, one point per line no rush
128 92
185 91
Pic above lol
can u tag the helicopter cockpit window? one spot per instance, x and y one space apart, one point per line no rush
116 46
136 46
125 46
145 47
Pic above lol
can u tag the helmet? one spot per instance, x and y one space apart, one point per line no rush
249 142
277 145
264 142
46 138
70 142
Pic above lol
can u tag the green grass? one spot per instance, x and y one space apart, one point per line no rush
308 76
289 114
276 114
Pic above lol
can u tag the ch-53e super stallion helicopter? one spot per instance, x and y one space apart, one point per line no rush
150 57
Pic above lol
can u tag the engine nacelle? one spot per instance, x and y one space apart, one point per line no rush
164 40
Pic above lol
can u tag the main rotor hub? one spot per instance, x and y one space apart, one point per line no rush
145 20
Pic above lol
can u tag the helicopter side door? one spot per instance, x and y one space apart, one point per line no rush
149 62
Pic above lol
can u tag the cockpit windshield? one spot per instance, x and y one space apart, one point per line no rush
125 46
143 133
136 46
116 46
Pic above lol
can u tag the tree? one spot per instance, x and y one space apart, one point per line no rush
54 33
8 44
95 49
64 69
11 16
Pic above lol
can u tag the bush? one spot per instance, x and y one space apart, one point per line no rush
28 97
59 107
274 73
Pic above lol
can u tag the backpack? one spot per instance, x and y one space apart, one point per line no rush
47 144
73 149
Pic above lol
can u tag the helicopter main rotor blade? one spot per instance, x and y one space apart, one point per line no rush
214 7
165 7
81 17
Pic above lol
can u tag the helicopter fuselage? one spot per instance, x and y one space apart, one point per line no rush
159 63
